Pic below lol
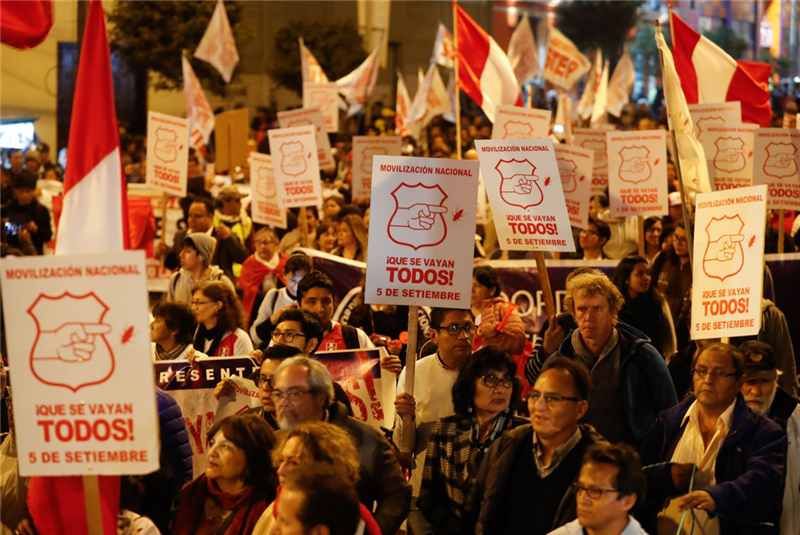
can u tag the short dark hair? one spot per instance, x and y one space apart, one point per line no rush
329 498
177 315
603 230
280 352
205 201
630 478
737 357
438 314
578 372
315 279
297 261
309 323
349 209
253 435
650 221
489 277
481 362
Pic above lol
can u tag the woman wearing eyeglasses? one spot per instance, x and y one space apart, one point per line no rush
484 396
221 322
262 271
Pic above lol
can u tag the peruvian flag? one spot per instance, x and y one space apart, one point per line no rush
94 216
198 110
403 106
25 25
708 75
484 72
217 46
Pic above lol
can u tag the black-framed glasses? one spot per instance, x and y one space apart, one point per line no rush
550 399
263 382
594 493
287 337
455 329
290 395
715 375
263 242
491 380
589 232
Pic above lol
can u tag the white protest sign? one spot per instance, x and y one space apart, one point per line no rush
729 152
267 197
594 140
525 193
721 112
637 177
294 157
564 64
167 153
326 96
775 163
480 217
422 231
514 122
79 345
311 116
575 167
364 149
245 396
728 262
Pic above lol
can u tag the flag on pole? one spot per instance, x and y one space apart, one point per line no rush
25 25
450 116
620 85
484 72
198 110
358 85
522 51
431 100
309 66
598 118
402 107
564 64
586 103
217 46
691 157
443 49
708 75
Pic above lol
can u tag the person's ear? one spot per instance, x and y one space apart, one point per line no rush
434 334
320 529
311 346
628 501
583 406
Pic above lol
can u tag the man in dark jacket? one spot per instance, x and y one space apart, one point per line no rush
725 461
26 212
630 381
524 484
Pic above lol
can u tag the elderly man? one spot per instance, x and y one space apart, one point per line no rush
630 381
720 458
763 395
524 484
303 392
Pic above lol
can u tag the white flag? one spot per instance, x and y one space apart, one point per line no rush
431 100
522 52
309 67
402 107
621 85
692 158
198 111
357 86
217 46
450 116
600 100
443 50
586 103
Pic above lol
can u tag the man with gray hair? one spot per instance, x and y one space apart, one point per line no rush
303 392
630 380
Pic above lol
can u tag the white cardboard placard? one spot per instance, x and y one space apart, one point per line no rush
326 96
267 197
79 347
575 166
422 231
515 122
595 140
776 163
720 112
637 177
364 149
167 153
729 149
480 217
311 116
524 189
294 158
728 262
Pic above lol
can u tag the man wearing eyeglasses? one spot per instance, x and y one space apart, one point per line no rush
723 462
524 484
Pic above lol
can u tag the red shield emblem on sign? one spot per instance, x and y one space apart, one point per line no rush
600 155
165 148
781 160
266 182
569 179
71 349
729 157
517 130
724 256
418 218
367 154
519 185
699 125
293 161
635 165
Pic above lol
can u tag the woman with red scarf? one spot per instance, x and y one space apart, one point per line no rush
263 270
237 486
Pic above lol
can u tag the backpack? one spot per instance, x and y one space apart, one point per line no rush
350 335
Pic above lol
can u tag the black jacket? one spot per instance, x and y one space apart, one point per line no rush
21 214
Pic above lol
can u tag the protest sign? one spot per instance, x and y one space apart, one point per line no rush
311 116
729 152
230 140
167 153
294 155
364 149
525 193
515 122
245 396
564 64
595 140
79 345
267 198
575 166
775 163
721 112
637 178
326 96
728 265
422 231
480 217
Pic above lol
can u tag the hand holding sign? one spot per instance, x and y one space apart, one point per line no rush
724 249
419 216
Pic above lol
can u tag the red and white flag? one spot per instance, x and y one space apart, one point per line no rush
310 67
708 75
620 85
402 107
443 51
522 51
358 85
217 46
484 72
198 110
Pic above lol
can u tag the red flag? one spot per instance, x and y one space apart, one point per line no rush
25 24
708 75
57 507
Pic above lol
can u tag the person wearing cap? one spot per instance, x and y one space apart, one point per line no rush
195 268
675 210
230 218
32 163
763 395
27 212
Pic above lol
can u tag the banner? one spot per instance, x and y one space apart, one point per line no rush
721 112
364 149
729 151
515 122
311 116
575 168
325 96
637 179
564 64
294 158
266 202
167 153
775 163
595 140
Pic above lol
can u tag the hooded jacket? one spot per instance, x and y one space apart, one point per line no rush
182 284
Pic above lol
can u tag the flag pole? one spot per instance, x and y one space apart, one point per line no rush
163 242
91 497
409 434
458 92
781 231
642 245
